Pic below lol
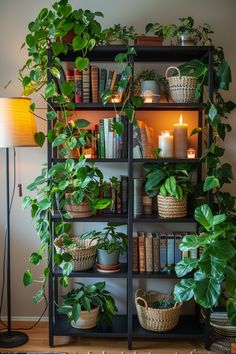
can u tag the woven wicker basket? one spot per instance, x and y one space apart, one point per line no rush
182 88
82 210
84 255
157 320
169 207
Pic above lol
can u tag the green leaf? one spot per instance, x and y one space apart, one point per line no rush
44 204
51 115
212 112
207 292
55 72
154 178
185 266
60 139
204 216
184 290
82 123
81 63
196 131
79 43
50 90
76 312
35 258
67 87
32 107
210 182
212 266
67 268
69 166
26 202
64 281
224 75
39 138
218 219
71 143
189 242
27 278
38 297
65 309
222 249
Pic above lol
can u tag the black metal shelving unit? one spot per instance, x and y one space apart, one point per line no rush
127 326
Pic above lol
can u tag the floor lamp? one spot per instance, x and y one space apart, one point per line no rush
17 128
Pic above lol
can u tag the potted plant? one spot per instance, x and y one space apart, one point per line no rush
118 35
160 32
89 304
171 183
215 267
109 244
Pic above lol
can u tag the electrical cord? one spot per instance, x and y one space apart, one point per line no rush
4 261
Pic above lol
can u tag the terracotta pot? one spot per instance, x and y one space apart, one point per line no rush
86 319
148 41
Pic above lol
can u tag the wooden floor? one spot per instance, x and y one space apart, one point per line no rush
38 341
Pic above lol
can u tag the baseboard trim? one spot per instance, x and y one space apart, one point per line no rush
25 318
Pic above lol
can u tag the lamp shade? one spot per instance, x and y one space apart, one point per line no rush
17 123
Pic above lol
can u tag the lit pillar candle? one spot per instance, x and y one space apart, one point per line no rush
166 144
180 138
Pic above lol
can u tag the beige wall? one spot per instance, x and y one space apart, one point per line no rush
14 17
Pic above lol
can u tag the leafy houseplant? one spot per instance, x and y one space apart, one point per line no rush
89 304
118 34
83 182
151 75
216 263
109 244
172 183
161 31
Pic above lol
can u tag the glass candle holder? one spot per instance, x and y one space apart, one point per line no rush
116 97
191 153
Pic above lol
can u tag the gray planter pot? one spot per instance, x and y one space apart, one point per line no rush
150 88
186 40
108 259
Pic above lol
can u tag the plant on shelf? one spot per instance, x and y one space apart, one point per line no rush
63 186
162 31
118 34
171 183
110 243
215 265
163 303
89 304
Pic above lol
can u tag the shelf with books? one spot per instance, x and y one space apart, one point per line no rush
56 160
94 273
188 327
167 159
62 327
159 275
154 218
90 106
123 218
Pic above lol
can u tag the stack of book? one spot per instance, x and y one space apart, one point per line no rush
154 252
91 83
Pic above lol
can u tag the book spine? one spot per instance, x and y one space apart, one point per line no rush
156 253
96 141
102 82
163 253
178 253
86 84
94 83
78 86
102 139
135 252
138 188
70 78
109 79
142 260
106 136
170 250
118 199
149 252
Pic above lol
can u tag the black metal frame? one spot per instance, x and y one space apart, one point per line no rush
126 326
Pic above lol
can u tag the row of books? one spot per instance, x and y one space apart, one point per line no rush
154 252
92 82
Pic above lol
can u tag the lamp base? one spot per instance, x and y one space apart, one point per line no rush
15 339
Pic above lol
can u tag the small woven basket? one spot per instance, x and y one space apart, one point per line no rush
169 207
84 255
82 210
182 88
157 320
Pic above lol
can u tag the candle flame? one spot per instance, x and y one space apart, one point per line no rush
180 119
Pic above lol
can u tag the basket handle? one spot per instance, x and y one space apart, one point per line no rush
172 67
140 293
141 299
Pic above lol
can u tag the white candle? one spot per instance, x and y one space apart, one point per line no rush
148 99
191 153
180 138
166 144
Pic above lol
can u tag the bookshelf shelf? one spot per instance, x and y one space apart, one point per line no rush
97 218
159 219
93 273
127 326
118 329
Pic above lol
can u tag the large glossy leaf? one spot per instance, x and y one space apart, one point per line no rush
60 139
210 182
27 278
204 216
81 63
212 266
184 290
154 178
222 249
50 90
207 292
185 266
189 242
76 312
